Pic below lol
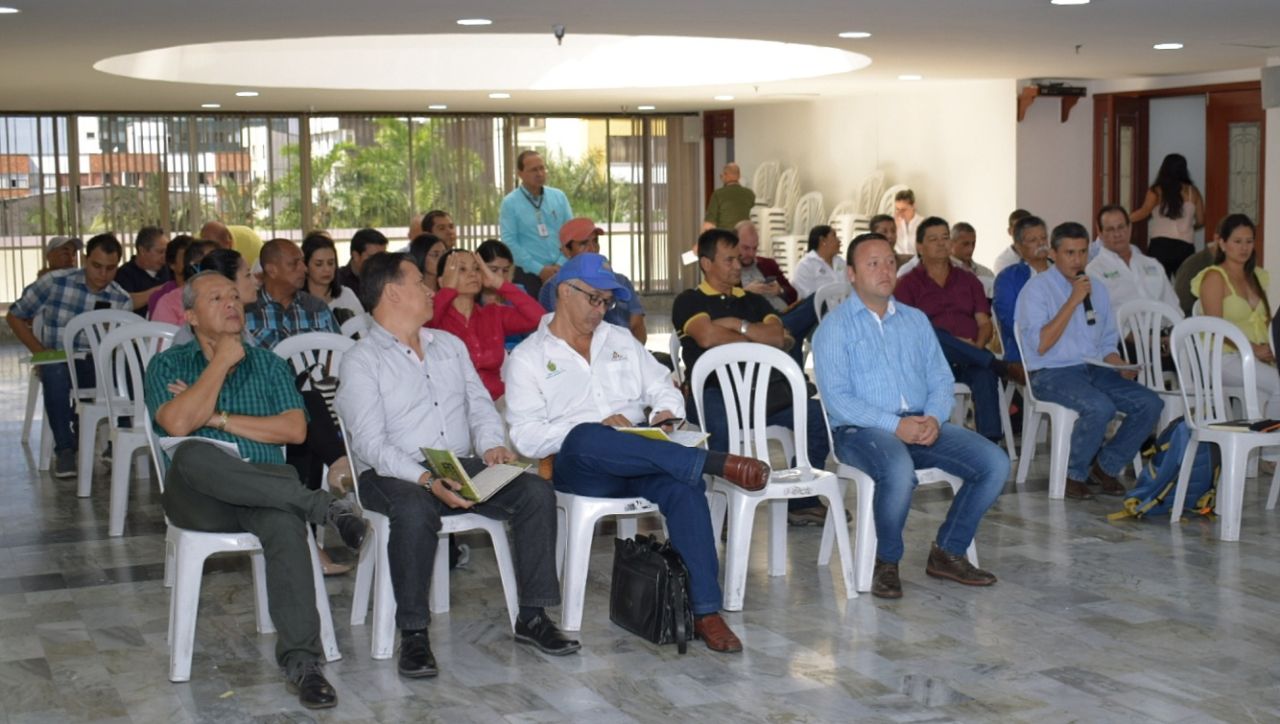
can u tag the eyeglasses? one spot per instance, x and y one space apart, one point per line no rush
595 300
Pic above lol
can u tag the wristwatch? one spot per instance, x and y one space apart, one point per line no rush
222 421
430 481
742 328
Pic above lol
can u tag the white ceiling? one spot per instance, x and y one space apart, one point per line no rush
49 49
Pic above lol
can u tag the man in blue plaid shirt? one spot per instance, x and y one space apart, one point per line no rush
53 301
282 308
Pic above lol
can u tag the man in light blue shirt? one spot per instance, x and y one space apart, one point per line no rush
531 216
888 390
1068 330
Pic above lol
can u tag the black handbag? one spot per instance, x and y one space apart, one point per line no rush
650 591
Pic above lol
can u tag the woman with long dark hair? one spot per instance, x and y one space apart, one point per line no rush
426 250
1235 289
320 257
1176 210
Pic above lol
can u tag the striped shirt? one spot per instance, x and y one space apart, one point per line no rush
58 297
872 371
261 385
269 322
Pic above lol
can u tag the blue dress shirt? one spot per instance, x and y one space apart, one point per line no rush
518 220
1040 301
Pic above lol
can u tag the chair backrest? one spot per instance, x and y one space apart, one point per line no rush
808 214
1144 321
842 209
306 351
886 199
743 370
356 327
1017 338
869 194
122 363
787 193
673 344
829 296
357 465
94 325
764 181
1198 345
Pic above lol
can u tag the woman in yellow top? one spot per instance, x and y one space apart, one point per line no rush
1234 288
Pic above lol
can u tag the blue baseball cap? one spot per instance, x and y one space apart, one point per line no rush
594 269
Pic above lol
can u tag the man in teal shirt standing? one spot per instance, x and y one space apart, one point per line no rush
218 388
530 219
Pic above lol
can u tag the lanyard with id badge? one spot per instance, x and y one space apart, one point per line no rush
543 231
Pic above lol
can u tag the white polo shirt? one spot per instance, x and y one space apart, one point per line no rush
812 273
1142 278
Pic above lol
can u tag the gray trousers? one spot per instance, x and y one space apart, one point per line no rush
208 490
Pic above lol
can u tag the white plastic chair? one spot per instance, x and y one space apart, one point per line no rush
1198 345
45 455
764 181
576 518
844 220
865 543
673 345
121 361
1144 320
356 327
374 568
886 199
788 248
869 194
185 554
741 370
1062 420
829 296
90 403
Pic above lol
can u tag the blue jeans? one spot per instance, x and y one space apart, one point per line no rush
526 503
973 366
892 463
598 461
55 383
1097 393
717 425
799 322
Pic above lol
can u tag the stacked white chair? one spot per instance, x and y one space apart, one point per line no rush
126 348
867 203
775 219
1062 420
865 538
1198 345
185 554
90 403
764 181
886 199
788 248
1144 321
373 572
843 220
741 368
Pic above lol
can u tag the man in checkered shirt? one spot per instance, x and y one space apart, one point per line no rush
54 300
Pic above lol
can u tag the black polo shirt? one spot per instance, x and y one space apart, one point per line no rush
705 301
133 279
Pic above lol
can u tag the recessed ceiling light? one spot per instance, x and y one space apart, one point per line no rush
499 96
8 11
475 21
1069 2
645 108
1167 46
724 98
210 105
854 34
437 107
247 94
911 76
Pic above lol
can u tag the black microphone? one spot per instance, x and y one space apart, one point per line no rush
1089 316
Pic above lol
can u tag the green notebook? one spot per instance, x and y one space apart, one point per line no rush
49 356
477 489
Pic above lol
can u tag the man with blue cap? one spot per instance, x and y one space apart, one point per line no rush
574 381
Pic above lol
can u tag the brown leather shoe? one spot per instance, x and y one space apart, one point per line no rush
885 582
746 473
1077 490
956 568
1108 483
712 629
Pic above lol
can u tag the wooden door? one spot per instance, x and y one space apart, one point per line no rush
1120 155
1235 130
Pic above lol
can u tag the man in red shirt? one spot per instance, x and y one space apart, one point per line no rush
958 309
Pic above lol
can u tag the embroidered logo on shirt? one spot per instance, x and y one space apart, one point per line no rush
552 370
618 356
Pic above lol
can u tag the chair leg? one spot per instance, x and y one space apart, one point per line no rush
1006 423
365 571
778 537
1184 478
561 532
742 510
864 547
45 461
828 532
1059 455
328 640
1030 428
262 611
627 527
1230 491
507 574
33 397
90 416
440 577
835 512
121 466
184 602
384 600
719 505
573 585
1275 489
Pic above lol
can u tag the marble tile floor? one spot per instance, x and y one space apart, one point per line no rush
1092 621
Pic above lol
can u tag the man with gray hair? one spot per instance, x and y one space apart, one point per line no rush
242 396
730 203
146 271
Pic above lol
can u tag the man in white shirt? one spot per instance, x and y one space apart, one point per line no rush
1124 270
573 382
405 388
907 220
822 265
1010 255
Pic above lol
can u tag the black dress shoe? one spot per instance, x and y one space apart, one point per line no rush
351 527
544 634
313 690
885 581
416 659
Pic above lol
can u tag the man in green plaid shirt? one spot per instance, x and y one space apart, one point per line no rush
218 388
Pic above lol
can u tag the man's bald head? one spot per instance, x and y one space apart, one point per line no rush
731 173
217 232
